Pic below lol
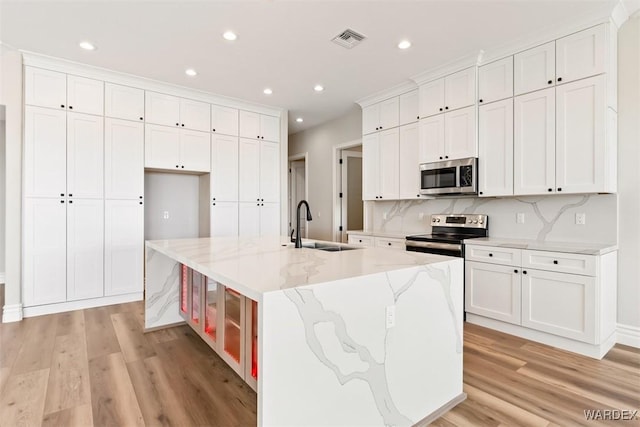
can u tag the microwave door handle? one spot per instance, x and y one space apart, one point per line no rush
458 176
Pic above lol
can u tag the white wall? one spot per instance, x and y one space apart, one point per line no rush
629 172
319 142
177 194
2 191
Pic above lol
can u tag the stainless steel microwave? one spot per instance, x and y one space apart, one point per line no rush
449 177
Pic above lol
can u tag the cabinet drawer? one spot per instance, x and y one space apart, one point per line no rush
389 242
561 262
357 239
493 255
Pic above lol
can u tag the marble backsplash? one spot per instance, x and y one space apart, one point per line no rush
547 218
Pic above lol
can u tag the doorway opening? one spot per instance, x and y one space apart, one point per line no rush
298 185
351 206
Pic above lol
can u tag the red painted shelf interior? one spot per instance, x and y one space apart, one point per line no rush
254 339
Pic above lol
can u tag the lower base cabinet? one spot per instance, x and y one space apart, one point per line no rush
224 319
495 291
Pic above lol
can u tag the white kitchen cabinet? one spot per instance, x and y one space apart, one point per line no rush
269 219
409 107
269 128
382 115
581 54
161 109
224 120
370 167
45 88
495 142
123 159
534 143
361 239
224 168
195 115
493 291
370 119
45 251
460 134
249 167
45 152
269 171
259 126
85 156
123 247
495 81
85 95
431 98
409 162
85 249
123 102
249 219
224 219
380 154
195 150
535 69
460 89
389 243
161 147
560 304
431 134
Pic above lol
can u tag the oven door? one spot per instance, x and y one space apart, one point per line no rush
432 247
450 177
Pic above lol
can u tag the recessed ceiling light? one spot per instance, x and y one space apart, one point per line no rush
230 35
267 91
318 88
404 44
190 72
299 120
87 46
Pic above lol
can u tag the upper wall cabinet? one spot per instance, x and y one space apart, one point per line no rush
123 102
495 81
495 142
581 54
123 159
195 115
259 126
177 149
224 120
170 110
535 69
454 91
382 115
409 110
85 95
52 89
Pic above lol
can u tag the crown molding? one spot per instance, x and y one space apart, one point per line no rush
447 68
70 67
396 90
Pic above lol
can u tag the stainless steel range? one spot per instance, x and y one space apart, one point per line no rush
447 234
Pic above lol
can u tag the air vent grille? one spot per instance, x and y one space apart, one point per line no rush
348 38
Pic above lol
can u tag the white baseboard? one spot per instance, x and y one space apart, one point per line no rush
2 277
12 313
628 335
40 310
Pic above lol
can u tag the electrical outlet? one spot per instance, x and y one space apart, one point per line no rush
165 215
385 215
581 219
520 218
390 316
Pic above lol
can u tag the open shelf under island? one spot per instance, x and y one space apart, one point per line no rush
369 336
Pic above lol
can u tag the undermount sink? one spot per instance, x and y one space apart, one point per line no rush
328 247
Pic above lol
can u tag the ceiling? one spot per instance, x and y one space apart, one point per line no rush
283 45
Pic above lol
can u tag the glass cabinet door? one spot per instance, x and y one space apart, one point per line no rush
254 339
232 327
211 309
184 289
196 286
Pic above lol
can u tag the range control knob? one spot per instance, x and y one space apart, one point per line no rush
437 219
480 222
433 220
475 221
468 221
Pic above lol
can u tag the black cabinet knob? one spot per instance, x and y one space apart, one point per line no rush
257 200
179 167
550 189
481 100
214 204
141 197
550 82
257 204
70 107
381 197
515 271
70 201
261 204
61 105
61 201
262 200
214 130
418 117
559 189
490 255
182 166
446 157
440 109
555 261
380 127
440 157
446 108
140 202
559 79
62 194
258 136
388 243
177 124
481 192
70 195
141 118
417 195
360 240
262 137
214 199
376 128
183 125
524 271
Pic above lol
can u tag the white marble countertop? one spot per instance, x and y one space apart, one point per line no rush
254 266
394 235
566 247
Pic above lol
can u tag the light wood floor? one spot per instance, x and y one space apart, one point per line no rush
96 367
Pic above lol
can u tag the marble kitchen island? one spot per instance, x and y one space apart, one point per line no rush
370 336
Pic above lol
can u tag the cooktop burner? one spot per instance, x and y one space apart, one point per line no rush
447 234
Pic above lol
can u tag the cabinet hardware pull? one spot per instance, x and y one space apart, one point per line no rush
555 261
179 166
177 124
70 195
183 125
70 201
214 130
515 271
440 109
550 82
481 193
389 243
417 195
550 189
70 107
61 201
380 127
490 254
446 157
61 105
446 108
559 189
524 271
559 79
481 100
182 166
440 157
62 194
418 117
141 118
258 136
214 204
141 197
140 202
360 240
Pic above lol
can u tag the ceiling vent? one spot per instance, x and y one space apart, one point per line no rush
348 38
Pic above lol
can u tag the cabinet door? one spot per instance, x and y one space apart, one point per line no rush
195 115
85 155
249 124
460 89
269 219
495 166
45 251
85 95
123 102
495 81
123 159
224 120
560 304
161 109
269 171
45 152
371 119
161 147
269 128
45 88
224 219
389 113
534 164
493 291
580 136
535 68
85 249
409 163
370 167
431 135
195 150
249 176
409 111
123 247
581 54
249 219
460 134
389 164
431 98
224 168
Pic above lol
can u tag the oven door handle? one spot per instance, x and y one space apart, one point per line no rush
434 245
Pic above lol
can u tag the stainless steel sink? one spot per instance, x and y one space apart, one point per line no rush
328 247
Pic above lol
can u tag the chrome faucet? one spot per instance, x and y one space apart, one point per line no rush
298 239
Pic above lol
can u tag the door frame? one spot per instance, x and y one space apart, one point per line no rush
336 217
345 191
301 156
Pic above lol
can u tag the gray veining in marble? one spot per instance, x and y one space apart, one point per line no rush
548 224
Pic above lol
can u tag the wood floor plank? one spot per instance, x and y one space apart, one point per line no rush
113 399
22 401
71 322
69 378
12 336
37 347
133 342
78 416
99 332
163 335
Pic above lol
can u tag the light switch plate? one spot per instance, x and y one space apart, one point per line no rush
581 219
520 218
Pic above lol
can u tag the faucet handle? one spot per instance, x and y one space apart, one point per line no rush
292 238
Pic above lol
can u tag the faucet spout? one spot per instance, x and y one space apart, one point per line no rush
306 205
